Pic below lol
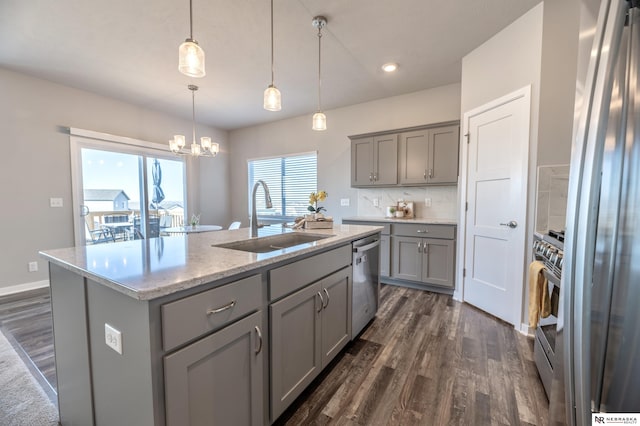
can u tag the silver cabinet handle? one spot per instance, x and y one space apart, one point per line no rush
259 339
422 231
222 308
371 177
511 224
375 176
327 293
424 175
419 247
321 301
430 173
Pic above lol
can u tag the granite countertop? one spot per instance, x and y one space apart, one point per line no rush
156 267
420 220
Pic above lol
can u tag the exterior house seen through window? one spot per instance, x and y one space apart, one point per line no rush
290 180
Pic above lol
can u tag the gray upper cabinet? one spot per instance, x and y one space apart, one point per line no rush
429 156
217 379
374 160
426 155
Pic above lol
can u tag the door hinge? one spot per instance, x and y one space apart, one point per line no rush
466 206
468 136
464 272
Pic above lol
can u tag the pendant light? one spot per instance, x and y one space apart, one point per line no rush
319 119
203 149
272 99
190 54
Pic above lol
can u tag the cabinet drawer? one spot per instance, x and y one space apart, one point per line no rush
447 232
289 278
196 315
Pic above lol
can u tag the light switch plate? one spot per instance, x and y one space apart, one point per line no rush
344 202
113 338
427 202
376 202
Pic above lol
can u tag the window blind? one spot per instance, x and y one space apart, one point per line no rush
290 180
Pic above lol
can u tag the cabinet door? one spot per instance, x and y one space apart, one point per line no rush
217 379
385 159
438 262
385 255
443 155
414 157
362 162
407 258
295 346
336 313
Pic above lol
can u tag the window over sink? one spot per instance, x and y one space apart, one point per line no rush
290 180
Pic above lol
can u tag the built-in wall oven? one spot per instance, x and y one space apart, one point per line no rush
548 249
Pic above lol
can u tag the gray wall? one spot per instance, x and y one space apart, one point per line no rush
539 49
35 164
295 135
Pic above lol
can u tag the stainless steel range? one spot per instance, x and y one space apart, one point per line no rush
550 251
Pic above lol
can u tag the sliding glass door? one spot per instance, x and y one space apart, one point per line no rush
124 192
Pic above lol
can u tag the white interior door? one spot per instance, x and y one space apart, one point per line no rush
496 193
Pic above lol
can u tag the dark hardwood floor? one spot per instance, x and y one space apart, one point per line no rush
25 319
425 360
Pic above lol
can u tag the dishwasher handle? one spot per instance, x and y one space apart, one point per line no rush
360 249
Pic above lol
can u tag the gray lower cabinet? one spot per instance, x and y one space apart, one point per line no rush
423 260
308 329
218 379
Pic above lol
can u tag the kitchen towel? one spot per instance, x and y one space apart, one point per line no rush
539 302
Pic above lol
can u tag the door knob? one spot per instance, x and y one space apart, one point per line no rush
510 224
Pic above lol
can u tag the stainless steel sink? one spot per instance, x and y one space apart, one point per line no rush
274 242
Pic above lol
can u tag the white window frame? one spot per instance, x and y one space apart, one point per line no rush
81 138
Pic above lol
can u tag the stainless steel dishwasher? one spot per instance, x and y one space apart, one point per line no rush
366 282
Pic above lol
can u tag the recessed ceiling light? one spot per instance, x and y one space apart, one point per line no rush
390 67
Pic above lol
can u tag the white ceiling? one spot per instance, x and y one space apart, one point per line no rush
128 49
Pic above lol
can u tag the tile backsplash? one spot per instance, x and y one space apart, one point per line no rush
444 201
551 207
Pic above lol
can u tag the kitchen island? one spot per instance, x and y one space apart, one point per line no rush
198 329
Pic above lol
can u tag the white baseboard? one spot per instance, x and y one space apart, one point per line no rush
524 329
4 291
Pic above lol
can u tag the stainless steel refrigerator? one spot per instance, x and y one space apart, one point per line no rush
599 318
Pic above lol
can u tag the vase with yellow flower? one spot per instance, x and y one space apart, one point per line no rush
316 210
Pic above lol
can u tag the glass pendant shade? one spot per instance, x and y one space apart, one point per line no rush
179 141
215 148
191 59
205 142
272 99
319 121
195 149
173 146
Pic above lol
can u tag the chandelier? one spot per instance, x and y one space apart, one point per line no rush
203 149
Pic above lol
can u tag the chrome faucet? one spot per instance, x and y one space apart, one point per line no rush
267 200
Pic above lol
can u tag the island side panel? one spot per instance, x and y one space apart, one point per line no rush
122 383
70 333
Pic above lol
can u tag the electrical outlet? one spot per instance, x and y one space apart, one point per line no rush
344 202
55 202
33 266
427 202
113 338
376 202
